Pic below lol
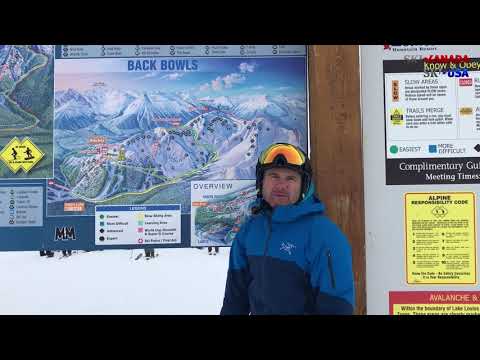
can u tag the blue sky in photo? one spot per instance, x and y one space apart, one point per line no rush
214 76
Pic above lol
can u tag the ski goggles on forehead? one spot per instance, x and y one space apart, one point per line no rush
291 154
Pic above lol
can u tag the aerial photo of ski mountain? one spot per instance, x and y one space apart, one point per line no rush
26 103
140 138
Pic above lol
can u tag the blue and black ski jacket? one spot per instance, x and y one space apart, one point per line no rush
290 260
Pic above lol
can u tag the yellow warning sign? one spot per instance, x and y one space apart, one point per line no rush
396 117
440 238
21 154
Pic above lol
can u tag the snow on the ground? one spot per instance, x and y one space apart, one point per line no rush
176 282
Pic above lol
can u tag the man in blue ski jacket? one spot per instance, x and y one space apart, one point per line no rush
288 257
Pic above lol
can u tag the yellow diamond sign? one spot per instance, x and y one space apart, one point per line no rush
21 154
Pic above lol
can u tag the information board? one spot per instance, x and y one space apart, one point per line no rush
125 130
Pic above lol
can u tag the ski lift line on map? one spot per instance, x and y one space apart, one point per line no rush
140 169
113 161
116 162
173 181
163 177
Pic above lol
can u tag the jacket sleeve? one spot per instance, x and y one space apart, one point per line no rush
235 301
331 273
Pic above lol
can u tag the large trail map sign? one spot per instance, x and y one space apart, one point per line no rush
137 146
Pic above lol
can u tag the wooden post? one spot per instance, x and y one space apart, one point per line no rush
336 146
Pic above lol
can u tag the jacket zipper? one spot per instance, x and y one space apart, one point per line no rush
269 228
330 268
269 232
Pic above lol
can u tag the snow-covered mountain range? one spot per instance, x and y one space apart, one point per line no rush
163 136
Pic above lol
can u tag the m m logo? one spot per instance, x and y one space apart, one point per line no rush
65 233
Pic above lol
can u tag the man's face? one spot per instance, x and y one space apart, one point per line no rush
281 186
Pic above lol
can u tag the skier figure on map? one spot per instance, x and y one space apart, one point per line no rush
14 154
